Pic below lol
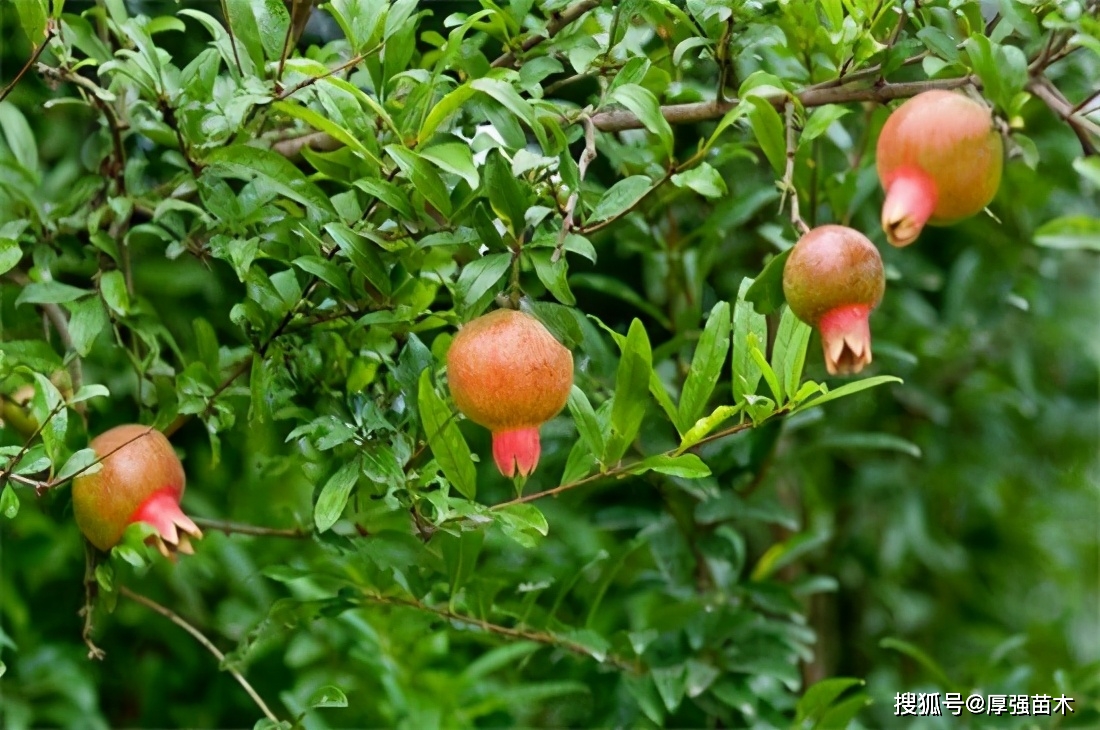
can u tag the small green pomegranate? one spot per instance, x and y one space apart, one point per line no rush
141 480
939 160
508 374
832 280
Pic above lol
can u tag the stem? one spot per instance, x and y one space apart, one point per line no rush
232 39
541 637
242 529
621 468
586 158
788 176
354 61
555 26
201 638
90 590
51 31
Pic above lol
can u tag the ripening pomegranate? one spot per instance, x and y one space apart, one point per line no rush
832 280
141 480
508 374
939 159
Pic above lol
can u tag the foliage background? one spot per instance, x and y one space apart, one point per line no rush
936 535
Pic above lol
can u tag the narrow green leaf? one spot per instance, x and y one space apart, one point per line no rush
765 369
553 275
363 256
80 462
917 654
766 292
768 129
323 124
820 120
873 440
584 416
507 196
481 275
246 162
10 255
631 385
87 318
445 439
621 196
703 179
9 502
328 696
789 352
422 176
49 292
18 134
1070 232
687 466
334 496
645 106
821 695
706 365
112 285
848 389
456 158
746 373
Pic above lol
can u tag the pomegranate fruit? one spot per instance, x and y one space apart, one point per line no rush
939 160
140 480
510 375
832 280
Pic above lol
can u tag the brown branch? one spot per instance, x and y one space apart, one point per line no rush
621 469
87 610
540 637
242 529
201 638
555 26
787 185
354 61
811 96
585 160
317 141
1087 131
51 31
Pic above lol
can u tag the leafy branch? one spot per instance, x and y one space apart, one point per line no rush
540 637
557 22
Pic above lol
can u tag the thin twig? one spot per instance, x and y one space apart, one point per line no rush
1086 101
555 26
14 461
232 39
183 418
201 638
585 160
1087 131
90 590
787 185
243 529
541 637
354 61
622 468
51 30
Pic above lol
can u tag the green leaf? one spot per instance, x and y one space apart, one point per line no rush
9 502
456 158
706 365
334 496
872 440
645 106
248 163
49 292
363 256
766 292
323 124
768 129
32 16
245 30
820 120
112 285
1086 167
584 416
553 275
611 286
846 390
523 523
508 97
706 425
621 196
481 275
687 466
789 352
703 179
766 370
631 385
18 135
746 373
80 462
671 683
389 194
328 696
821 696
445 439
87 319
1002 69
507 197
1070 232
918 655
422 176
10 255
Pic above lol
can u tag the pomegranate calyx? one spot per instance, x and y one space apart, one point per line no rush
516 451
910 201
174 528
846 337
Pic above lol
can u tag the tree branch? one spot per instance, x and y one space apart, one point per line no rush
541 637
243 529
354 61
1087 131
86 611
51 31
555 26
787 185
201 638
585 160
317 141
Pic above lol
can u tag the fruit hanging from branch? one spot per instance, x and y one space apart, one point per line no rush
141 480
510 375
832 280
939 159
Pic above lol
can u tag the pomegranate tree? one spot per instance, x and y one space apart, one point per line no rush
141 480
939 159
510 375
832 280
